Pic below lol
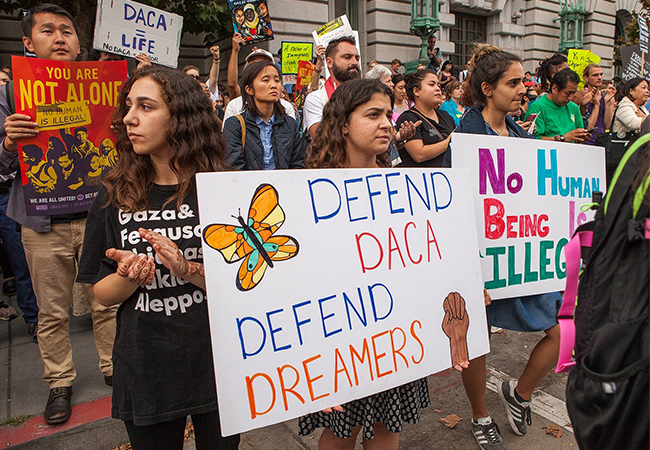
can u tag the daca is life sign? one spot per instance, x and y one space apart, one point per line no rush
127 28
529 196
326 286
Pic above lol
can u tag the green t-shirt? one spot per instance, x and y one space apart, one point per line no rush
554 120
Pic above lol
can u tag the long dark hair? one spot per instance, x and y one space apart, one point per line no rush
488 64
329 147
547 69
194 137
414 80
625 91
251 72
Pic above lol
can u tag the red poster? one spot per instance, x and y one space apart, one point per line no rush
73 104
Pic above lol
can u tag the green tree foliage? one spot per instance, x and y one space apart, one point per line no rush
199 16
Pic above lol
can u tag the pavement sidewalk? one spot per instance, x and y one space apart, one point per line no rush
90 426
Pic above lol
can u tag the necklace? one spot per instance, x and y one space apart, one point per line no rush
496 130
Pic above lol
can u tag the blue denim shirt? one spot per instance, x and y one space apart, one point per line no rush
265 134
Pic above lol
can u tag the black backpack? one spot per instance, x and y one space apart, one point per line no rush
608 388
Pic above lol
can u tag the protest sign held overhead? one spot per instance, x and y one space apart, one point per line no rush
333 29
251 19
294 52
643 34
303 79
578 60
73 103
528 196
632 61
331 285
127 28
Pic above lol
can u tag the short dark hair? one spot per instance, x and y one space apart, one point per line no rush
333 46
396 61
564 77
190 67
28 19
248 76
78 129
397 78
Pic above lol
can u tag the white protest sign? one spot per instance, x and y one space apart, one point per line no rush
363 267
127 28
528 195
335 29
643 34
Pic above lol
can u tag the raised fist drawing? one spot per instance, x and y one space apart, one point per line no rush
455 325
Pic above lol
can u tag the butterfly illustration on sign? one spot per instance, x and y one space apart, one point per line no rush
253 239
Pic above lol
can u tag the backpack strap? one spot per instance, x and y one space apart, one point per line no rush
628 154
572 252
243 132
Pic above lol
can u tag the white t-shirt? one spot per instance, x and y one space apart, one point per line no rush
236 106
312 110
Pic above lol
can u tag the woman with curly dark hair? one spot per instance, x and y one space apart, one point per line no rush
167 132
355 132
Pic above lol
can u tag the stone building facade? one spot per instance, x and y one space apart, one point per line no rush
526 27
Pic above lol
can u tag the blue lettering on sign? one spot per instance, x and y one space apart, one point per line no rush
149 20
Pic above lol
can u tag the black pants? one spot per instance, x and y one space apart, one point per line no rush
169 435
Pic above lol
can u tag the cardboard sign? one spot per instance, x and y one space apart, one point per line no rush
578 60
632 63
251 19
332 285
643 34
127 28
73 104
528 196
333 29
292 53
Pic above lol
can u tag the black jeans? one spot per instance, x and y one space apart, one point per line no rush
170 435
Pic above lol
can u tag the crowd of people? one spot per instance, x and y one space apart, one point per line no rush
385 118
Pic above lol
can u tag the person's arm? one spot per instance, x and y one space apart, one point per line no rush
233 65
320 54
421 153
143 60
214 70
234 152
610 107
312 112
593 118
628 117
171 257
132 271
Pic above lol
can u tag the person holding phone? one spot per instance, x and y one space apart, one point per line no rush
558 118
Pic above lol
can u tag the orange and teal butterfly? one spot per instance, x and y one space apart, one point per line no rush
253 239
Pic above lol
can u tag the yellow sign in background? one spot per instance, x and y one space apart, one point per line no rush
579 59
292 52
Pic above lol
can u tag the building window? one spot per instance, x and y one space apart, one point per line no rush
349 7
467 31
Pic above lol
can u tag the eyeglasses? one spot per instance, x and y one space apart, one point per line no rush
196 77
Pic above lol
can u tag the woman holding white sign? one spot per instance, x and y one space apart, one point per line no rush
355 132
495 88
162 358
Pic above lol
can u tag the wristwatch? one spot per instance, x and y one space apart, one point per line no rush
559 137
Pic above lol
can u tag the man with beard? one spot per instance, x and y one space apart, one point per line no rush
342 59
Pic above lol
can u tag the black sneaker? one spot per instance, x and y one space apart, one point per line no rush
518 413
32 330
488 436
58 407
9 286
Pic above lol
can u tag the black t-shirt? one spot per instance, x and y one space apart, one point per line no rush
429 132
162 358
